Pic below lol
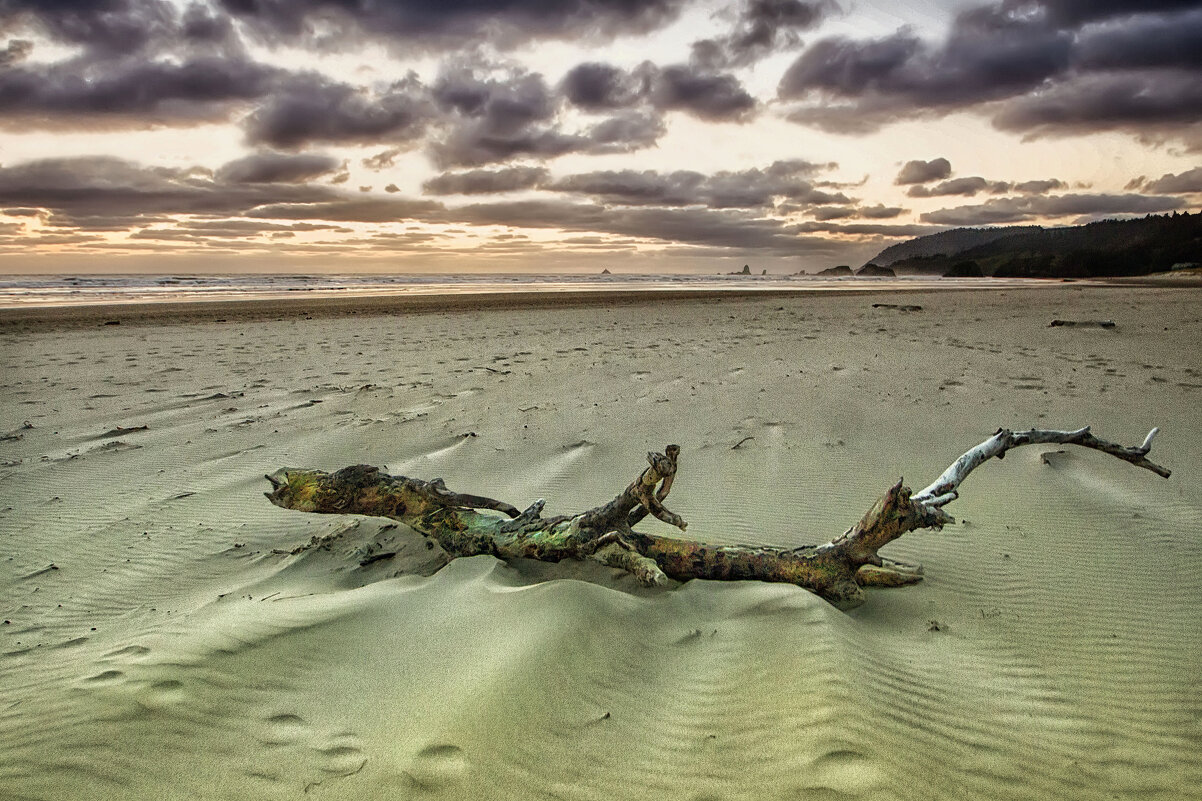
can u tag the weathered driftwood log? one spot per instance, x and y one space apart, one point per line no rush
835 570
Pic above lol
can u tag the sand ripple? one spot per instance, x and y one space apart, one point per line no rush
169 634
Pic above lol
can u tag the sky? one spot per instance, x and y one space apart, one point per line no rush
559 136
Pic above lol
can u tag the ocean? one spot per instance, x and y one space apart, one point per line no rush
80 290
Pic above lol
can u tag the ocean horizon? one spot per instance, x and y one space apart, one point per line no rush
29 291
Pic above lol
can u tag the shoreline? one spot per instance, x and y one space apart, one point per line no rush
257 309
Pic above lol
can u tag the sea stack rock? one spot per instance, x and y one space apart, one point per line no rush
841 270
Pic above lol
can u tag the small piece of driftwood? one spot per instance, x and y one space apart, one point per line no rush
1081 324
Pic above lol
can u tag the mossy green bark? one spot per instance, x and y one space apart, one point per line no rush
454 521
836 570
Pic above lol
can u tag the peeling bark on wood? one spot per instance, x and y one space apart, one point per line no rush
836 570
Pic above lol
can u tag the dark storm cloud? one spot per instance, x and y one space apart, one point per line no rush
694 89
848 68
16 50
266 168
136 91
310 108
986 56
600 87
761 28
132 62
1038 67
960 186
492 118
424 24
1139 100
481 182
1032 207
102 26
707 95
109 193
491 114
753 188
922 172
1188 181
1075 12
1148 41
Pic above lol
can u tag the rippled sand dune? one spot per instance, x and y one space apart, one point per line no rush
168 633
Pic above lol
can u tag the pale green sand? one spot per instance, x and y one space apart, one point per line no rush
163 641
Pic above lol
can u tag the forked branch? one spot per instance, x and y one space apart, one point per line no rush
836 570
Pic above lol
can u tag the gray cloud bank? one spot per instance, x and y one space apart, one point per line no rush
493 127
1037 67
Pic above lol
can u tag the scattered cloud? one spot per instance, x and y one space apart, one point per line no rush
923 172
698 90
1151 101
350 209
269 168
482 182
383 160
691 225
595 86
833 212
129 93
106 193
761 28
417 24
1072 13
746 189
311 108
896 231
707 95
1039 187
1185 182
881 212
1031 207
960 186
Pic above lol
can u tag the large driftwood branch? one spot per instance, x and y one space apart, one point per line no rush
835 570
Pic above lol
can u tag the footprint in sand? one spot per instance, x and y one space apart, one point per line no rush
341 755
284 729
437 766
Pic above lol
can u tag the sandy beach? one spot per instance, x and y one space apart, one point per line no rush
169 634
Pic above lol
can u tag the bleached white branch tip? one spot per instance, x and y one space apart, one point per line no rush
942 500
